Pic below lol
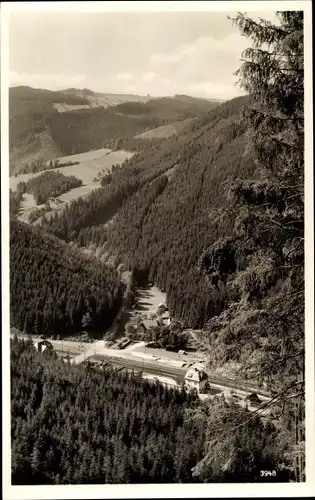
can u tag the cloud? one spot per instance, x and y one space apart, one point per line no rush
211 90
124 76
147 77
164 59
203 67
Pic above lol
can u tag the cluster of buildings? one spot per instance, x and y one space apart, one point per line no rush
162 319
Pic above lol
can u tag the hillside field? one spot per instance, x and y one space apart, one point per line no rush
97 100
165 131
90 164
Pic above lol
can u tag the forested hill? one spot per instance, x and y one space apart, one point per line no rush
168 108
165 234
169 194
75 425
39 131
55 289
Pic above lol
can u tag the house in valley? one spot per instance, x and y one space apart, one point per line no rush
146 325
43 345
165 319
162 309
196 378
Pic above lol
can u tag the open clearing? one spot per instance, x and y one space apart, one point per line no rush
90 164
148 300
165 130
100 100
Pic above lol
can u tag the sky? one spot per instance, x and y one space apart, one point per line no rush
156 53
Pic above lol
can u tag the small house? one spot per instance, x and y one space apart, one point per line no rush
165 319
43 345
146 325
196 378
253 399
161 309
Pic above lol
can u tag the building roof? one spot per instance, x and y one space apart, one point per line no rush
149 323
196 374
46 343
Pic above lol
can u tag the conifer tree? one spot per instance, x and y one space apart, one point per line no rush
263 326
264 259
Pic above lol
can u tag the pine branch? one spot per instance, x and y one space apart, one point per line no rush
267 24
262 408
279 362
278 141
269 115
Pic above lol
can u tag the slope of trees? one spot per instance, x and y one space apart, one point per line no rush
15 201
52 286
72 425
102 203
76 425
262 261
168 108
49 185
86 129
29 108
164 234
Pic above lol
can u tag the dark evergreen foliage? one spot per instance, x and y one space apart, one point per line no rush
164 226
49 185
74 425
86 129
52 285
15 201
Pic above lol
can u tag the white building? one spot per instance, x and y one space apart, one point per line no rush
196 378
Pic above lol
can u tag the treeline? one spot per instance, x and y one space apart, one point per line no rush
73 425
54 286
167 108
15 201
49 185
27 94
86 129
39 165
130 143
103 203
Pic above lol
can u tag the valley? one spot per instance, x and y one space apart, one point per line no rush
157 271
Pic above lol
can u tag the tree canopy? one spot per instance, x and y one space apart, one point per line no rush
263 326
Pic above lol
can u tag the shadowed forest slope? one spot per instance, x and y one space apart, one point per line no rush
54 288
167 196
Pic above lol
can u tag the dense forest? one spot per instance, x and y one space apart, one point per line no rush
86 129
74 425
168 230
168 108
55 288
49 185
102 204
29 108
15 198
